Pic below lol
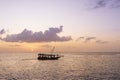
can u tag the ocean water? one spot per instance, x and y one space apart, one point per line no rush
73 66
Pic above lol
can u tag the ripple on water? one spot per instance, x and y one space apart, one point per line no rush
71 67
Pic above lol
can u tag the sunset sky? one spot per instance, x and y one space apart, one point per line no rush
69 25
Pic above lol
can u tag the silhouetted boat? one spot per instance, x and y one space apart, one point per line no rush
43 56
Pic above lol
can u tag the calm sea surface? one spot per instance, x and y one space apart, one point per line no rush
73 66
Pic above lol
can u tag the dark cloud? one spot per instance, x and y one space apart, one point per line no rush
80 38
29 36
116 4
2 31
101 3
89 39
105 3
101 42
85 39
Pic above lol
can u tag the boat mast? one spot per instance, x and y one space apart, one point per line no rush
52 50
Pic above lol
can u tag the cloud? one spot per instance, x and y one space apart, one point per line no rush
105 3
100 3
85 39
2 31
101 42
94 39
80 38
89 39
29 36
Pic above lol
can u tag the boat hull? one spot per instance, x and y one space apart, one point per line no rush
48 56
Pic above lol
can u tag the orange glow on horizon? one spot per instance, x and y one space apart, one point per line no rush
70 46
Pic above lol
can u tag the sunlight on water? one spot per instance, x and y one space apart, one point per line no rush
25 66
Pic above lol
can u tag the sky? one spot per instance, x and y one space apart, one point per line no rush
69 25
